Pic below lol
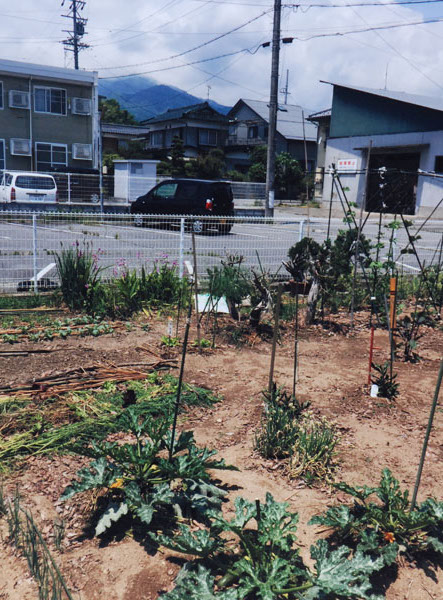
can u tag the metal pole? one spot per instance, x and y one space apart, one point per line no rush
100 161
273 107
181 250
306 155
301 232
357 243
180 380
34 243
194 252
330 203
74 18
294 382
428 433
69 188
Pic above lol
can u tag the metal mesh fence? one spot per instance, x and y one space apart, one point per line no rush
125 187
29 242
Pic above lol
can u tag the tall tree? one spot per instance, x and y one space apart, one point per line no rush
178 164
113 113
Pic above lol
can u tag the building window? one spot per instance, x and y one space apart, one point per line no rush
50 155
207 137
438 165
156 138
1 95
2 155
50 100
252 132
82 151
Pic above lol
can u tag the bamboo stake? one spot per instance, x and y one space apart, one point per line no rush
427 435
275 337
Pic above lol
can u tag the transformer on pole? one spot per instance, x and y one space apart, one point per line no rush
73 43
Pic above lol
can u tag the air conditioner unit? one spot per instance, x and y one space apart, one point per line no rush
21 147
82 151
81 106
18 99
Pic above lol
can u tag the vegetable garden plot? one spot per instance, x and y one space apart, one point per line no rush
332 367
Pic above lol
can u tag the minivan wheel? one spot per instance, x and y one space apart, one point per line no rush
197 226
138 221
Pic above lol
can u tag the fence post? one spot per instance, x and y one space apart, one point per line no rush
34 243
69 188
301 232
182 248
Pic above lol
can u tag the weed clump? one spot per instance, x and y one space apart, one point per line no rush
290 432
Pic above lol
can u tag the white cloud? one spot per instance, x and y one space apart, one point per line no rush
121 34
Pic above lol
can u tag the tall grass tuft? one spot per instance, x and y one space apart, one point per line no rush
79 275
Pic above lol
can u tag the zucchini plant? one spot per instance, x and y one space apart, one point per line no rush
387 526
235 560
139 479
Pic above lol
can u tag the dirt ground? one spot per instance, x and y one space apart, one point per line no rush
333 371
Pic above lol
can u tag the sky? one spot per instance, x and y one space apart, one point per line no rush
222 38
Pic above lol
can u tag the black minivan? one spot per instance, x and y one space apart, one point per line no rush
195 197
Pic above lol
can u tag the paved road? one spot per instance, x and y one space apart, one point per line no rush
119 244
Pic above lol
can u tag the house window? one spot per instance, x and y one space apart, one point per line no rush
207 137
2 155
50 100
252 132
157 138
438 166
1 95
50 155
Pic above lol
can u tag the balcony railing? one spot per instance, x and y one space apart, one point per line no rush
242 140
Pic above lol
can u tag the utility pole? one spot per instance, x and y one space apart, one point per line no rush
73 43
273 107
285 90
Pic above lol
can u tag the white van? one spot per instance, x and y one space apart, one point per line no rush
20 186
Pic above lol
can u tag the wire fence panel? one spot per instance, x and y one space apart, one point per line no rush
30 241
124 187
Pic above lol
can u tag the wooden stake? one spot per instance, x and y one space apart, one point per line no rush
392 302
275 337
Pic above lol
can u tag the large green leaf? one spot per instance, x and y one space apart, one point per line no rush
199 543
244 512
261 582
114 511
339 517
435 543
198 585
100 473
433 508
277 526
360 491
337 573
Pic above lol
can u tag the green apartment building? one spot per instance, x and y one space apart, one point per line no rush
49 118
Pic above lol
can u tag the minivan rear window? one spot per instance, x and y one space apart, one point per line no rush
28 182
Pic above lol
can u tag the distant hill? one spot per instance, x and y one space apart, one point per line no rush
145 98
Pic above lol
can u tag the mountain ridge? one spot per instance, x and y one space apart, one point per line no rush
146 98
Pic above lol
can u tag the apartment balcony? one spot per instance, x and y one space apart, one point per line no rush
241 140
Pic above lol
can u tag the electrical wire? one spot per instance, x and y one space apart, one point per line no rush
204 44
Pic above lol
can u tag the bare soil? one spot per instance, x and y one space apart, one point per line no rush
333 372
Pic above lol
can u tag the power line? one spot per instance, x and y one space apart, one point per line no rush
195 62
348 5
215 39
